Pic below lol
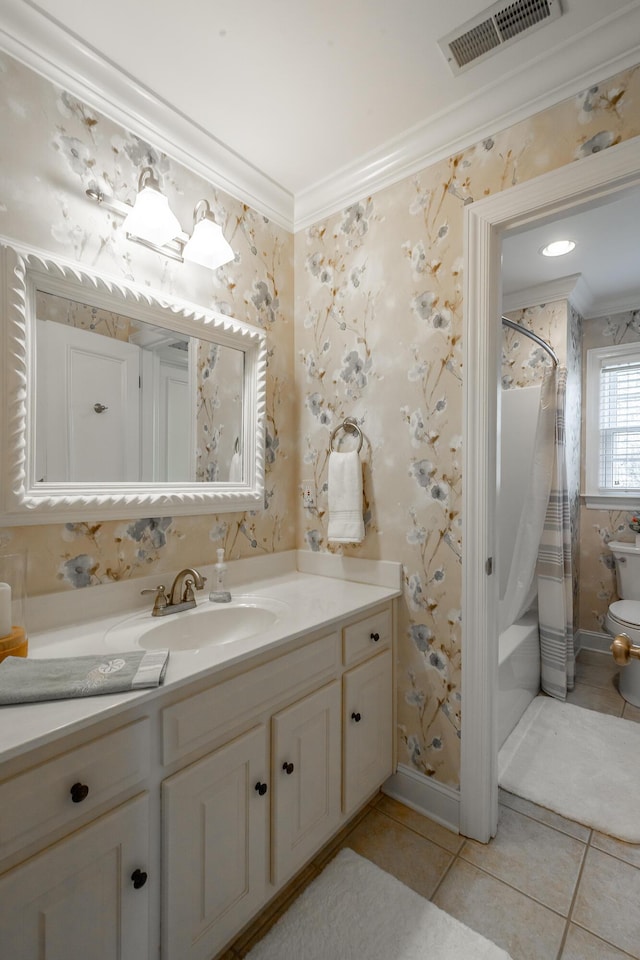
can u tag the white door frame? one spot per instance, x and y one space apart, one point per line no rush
581 182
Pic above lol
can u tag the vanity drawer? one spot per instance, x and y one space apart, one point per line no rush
192 724
55 793
366 637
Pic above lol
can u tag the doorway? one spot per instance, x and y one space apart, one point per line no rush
577 184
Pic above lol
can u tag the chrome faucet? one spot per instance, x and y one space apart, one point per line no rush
181 595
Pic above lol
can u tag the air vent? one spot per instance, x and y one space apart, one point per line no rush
496 27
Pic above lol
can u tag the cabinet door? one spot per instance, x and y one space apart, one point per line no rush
368 733
78 899
305 778
215 826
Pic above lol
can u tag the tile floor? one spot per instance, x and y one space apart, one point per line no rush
545 888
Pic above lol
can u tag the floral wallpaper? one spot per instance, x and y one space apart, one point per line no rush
219 412
54 149
598 527
378 337
523 360
378 326
84 316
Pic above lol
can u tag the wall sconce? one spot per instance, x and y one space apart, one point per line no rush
207 245
151 217
151 222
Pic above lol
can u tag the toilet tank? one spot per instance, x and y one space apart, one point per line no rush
627 558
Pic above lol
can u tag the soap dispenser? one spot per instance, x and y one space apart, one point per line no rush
218 593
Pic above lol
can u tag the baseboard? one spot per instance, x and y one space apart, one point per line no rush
591 640
426 796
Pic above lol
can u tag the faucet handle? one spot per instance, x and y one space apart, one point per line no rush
188 594
161 600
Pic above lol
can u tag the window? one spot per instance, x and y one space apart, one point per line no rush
612 450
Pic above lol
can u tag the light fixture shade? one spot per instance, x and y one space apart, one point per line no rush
151 218
207 245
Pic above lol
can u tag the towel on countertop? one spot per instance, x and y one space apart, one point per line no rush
25 680
345 498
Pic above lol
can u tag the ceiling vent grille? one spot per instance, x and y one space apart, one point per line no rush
496 27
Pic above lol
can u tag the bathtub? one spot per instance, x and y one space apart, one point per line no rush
518 672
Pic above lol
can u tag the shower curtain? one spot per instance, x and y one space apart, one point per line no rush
554 573
542 554
521 584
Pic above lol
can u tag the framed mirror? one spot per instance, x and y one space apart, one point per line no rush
120 402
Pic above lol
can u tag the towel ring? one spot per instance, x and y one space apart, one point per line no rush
349 425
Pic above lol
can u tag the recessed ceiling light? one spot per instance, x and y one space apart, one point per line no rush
558 248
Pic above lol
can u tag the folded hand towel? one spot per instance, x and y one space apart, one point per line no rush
345 498
30 680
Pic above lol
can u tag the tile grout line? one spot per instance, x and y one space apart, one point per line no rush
569 918
543 823
445 874
423 836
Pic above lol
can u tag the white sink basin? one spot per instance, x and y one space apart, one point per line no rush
208 623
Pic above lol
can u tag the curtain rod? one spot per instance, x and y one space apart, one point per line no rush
533 336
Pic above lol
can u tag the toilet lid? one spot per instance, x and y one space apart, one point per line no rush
626 612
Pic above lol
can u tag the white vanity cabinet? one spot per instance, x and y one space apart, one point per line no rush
85 894
236 824
368 729
242 820
216 790
305 779
215 835
83 897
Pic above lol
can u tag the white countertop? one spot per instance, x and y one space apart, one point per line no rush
313 602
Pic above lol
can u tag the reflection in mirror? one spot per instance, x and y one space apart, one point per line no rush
117 401
120 399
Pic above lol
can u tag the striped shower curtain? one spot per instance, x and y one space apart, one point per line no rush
555 588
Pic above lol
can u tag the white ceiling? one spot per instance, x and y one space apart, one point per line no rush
300 107
606 258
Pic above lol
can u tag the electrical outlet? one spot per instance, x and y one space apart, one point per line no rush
308 498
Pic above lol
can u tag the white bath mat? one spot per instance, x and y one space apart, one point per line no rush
581 764
355 911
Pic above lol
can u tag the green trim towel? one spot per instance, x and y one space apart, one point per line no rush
25 680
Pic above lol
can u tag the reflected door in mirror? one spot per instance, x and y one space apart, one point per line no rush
88 421
120 400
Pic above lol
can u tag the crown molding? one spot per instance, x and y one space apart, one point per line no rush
584 60
608 308
576 290
62 58
561 289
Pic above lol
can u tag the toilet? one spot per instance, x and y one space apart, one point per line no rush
623 615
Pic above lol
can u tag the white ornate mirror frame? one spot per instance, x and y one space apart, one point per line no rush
23 500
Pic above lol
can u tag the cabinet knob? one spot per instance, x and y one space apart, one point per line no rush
375 637
79 792
139 878
261 788
288 768
356 717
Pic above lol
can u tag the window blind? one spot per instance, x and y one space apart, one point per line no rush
619 461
